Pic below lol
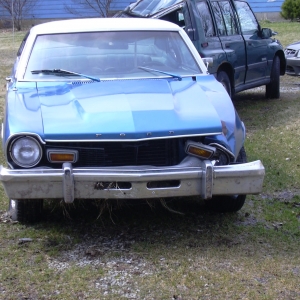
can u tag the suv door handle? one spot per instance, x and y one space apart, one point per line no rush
227 45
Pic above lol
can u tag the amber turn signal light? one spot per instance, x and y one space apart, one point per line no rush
199 150
60 156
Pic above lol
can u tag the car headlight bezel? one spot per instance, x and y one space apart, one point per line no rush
25 151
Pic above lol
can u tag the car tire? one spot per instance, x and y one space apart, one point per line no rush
228 203
25 211
273 88
224 79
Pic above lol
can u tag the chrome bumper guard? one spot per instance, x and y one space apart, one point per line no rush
194 177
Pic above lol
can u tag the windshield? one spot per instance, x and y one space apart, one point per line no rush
150 7
111 55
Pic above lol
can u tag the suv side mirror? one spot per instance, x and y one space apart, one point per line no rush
266 33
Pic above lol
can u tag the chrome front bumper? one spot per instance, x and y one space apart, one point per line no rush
193 177
292 66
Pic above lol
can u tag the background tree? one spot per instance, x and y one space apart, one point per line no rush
80 7
290 10
18 9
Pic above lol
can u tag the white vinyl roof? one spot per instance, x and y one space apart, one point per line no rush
103 24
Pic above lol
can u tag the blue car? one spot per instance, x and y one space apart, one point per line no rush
119 109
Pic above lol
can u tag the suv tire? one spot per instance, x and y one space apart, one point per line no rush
273 88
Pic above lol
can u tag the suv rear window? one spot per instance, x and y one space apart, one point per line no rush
207 22
224 16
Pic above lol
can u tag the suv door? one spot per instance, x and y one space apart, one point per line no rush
257 48
199 26
210 44
231 39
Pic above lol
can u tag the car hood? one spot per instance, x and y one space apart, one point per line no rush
295 45
128 109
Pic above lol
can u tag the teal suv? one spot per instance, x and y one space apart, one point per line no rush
243 55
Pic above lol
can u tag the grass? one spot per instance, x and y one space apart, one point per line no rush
286 31
139 252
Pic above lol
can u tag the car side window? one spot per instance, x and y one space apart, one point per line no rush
248 21
229 19
207 22
176 17
225 19
219 18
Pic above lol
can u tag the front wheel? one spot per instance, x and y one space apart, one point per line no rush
26 211
273 88
228 203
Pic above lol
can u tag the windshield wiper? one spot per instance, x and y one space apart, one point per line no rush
63 72
162 72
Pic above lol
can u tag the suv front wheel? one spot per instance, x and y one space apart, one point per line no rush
273 88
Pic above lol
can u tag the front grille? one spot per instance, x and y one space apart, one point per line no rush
81 82
112 154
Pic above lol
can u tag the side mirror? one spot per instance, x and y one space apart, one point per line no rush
208 61
266 33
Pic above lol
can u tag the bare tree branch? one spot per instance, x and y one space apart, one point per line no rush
17 9
100 7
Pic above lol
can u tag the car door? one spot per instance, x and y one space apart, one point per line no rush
230 36
209 44
256 47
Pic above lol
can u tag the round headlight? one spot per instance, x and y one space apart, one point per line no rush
26 152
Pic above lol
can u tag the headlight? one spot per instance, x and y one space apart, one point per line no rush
26 152
223 155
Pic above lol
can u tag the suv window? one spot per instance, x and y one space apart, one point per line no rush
219 19
248 21
207 22
149 7
225 20
229 19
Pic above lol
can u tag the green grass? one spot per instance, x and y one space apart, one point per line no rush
147 252
273 134
287 32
